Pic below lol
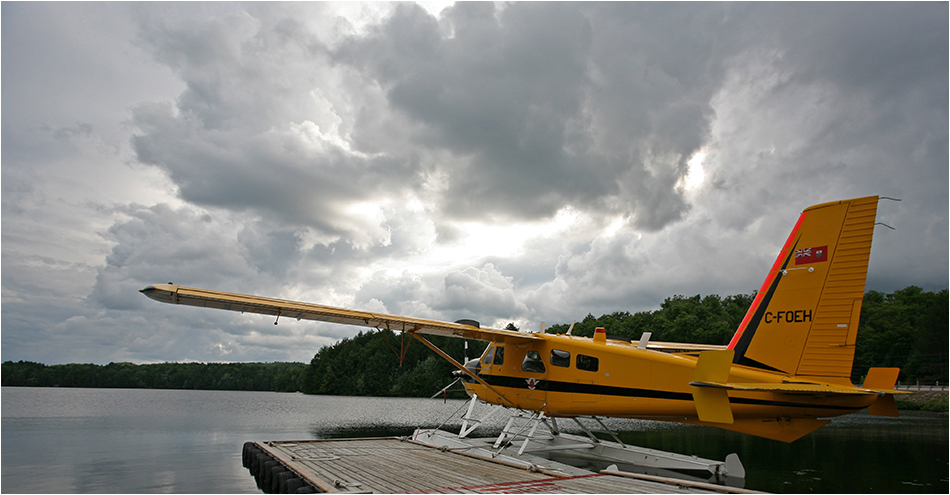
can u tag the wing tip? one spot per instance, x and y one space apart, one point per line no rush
161 292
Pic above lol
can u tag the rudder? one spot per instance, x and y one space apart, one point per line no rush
804 319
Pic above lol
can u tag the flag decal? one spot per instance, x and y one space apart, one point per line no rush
811 255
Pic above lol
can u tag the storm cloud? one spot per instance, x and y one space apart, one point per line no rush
518 162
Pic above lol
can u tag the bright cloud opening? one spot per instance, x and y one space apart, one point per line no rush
486 239
695 175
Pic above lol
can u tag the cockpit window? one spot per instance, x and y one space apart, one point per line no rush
499 355
486 359
532 362
560 358
587 363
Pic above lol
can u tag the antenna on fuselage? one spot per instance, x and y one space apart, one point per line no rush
571 329
542 328
644 340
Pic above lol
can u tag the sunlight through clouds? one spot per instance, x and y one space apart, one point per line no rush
479 240
695 176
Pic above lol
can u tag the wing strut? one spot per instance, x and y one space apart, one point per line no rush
403 346
458 365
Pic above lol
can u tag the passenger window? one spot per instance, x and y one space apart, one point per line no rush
560 358
532 362
499 355
587 363
486 359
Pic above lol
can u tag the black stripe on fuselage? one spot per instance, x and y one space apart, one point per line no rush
592 389
584 388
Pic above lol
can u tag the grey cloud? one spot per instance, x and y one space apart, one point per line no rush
484 290
160 244
483 294
794 124
230 251
66 133
522 92
233 67
272 252
394 293
282 150
866 46
272 173
206 249
250 133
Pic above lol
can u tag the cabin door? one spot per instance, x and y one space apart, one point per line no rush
533 374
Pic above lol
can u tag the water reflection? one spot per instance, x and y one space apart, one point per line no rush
186 441
854 454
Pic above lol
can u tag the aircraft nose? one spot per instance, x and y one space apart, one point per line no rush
473 365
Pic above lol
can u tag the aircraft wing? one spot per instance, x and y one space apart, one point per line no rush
683 347
279 308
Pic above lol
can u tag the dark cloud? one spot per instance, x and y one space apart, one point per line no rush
866 47
250 133
503 162
280 173
480 293
163 244
526 97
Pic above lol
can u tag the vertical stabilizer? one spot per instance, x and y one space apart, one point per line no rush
804 319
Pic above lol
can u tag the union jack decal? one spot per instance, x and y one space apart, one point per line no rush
811 255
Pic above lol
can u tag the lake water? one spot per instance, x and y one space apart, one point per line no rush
71 440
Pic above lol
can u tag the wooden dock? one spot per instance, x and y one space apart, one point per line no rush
399 465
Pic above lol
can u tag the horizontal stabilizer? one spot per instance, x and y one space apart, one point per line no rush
712 403
883 380
787 388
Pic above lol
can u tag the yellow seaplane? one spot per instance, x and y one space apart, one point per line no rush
785 372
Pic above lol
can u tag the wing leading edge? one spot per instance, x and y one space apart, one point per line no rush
280 308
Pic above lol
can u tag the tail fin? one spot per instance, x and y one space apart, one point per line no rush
804 319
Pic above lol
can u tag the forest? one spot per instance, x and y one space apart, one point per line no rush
907 329
276 377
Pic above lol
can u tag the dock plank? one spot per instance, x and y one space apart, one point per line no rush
387 474
401 467
394 465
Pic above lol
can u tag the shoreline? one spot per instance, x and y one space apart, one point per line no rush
924 401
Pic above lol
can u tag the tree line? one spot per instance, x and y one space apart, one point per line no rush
278 377
370 364
907 329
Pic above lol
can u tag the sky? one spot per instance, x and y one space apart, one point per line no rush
524 162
